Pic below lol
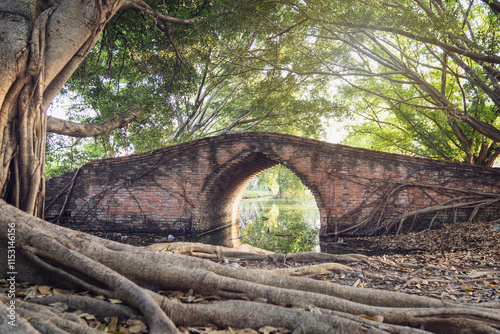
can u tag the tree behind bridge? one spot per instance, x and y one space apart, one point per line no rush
48 41
202 83
423 74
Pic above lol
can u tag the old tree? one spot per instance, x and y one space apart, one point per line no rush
41 45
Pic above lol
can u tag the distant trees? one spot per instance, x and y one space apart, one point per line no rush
280 181
423 74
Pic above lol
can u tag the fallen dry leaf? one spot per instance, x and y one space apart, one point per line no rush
87 316
113 323
115 301
57 291
45 290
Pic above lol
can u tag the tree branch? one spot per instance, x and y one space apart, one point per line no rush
494 5
68 128
478 57
140 5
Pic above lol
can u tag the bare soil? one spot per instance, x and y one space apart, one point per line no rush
458 262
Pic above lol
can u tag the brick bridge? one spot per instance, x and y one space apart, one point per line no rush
196 187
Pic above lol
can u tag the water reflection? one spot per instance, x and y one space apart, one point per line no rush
282 225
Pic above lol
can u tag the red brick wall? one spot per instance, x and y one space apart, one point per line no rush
197 186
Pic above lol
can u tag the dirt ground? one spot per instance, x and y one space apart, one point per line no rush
459 262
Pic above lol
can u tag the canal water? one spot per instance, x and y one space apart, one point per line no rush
280 224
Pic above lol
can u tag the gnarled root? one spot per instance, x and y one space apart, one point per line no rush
51 254
247 252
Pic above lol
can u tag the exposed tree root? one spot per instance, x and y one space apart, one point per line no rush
21 325
74 259
256 315
120 286
315 270
325 269
90 305
380 219
247 252
46 320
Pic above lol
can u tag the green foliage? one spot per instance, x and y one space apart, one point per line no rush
75 152
281 181
193 80
387 121
284 231
423 76
418 75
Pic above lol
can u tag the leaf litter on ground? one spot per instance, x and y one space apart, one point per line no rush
459 262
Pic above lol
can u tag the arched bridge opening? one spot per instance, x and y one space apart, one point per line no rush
223 192
279 213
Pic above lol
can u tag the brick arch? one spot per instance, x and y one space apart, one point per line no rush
194 187
224 188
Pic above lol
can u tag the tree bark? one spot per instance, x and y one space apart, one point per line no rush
64 127
42 44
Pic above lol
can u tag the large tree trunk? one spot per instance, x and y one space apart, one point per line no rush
22 122
41 46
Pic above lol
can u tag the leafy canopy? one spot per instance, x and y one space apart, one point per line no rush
189 81
421 77
417 71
